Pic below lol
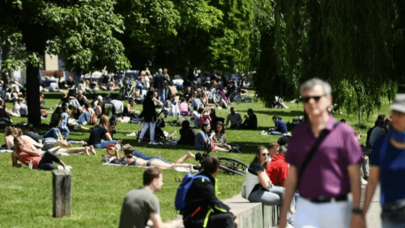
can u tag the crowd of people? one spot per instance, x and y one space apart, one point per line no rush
308 174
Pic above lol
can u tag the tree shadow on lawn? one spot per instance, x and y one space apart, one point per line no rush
248 147
291 113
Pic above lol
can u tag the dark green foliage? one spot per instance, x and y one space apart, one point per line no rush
357 46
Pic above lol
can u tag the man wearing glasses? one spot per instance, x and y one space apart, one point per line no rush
330 174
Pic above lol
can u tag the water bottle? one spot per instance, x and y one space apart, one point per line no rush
30 164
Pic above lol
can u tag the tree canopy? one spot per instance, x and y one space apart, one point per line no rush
80 30
354 45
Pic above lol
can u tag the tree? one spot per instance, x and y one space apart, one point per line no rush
186 34
354 45
80 30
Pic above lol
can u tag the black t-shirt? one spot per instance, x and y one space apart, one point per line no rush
70 83
35 136
253 168
97 134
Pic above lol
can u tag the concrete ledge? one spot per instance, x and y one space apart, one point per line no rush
253 215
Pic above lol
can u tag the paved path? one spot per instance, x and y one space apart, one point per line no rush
373 216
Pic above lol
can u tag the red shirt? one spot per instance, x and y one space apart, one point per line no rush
277 170
25 158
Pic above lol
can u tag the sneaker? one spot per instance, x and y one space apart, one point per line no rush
131 134
139 140
363 182
153 143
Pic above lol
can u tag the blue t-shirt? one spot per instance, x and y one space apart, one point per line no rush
392 170
281 127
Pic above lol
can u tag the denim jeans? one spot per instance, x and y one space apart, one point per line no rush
162 94
196 118
53 133
84 117
151 126
74 103
47 161
143 156
103 144
276 133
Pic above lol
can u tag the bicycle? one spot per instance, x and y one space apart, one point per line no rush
227 165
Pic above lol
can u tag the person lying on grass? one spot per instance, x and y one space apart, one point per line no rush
34 159
52 136
130 158
10 137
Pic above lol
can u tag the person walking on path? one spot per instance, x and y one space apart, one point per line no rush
388 168
325 178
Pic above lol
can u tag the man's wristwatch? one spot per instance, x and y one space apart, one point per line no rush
357 211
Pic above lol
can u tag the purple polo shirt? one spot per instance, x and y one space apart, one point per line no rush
326 174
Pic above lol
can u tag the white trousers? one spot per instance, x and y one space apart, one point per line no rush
151 126
322 215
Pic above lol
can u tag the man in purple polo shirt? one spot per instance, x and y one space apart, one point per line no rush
331 174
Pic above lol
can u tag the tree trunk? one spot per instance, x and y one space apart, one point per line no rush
34 111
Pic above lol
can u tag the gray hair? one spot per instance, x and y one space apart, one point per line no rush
282 149
310 84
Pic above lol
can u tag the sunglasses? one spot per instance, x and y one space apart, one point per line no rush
307 99
265 154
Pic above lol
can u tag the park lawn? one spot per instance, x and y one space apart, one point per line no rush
98 191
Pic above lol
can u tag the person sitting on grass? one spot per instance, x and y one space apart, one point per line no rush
250 120
66 100
141 204
130 158
235 118
34 159
128 111
100 137
183 107
219 139
63 124
187 135
4 115
204 137
280 127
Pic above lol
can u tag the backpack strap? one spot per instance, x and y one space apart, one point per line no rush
311 153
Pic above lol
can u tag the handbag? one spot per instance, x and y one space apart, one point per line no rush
311 153
394 212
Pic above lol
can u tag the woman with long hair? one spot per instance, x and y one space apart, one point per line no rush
257 186
219 138
100 137
149 116
187 134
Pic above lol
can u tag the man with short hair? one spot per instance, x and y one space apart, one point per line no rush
141 204
277 169
159 84
250 121
331 173
235 119
203 208
280 127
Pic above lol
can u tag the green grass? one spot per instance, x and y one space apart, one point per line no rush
98 191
